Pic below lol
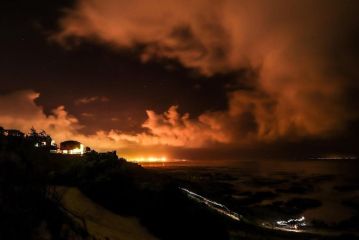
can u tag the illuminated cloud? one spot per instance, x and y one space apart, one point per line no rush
174 129
301 52
18 110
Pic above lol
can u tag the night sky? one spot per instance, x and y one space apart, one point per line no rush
202 79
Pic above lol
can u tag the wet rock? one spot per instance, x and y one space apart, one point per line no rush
347 188
352 203
297 189
249 198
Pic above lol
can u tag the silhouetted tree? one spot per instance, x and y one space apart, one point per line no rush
39 139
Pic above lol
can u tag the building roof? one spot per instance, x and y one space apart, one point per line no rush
69 145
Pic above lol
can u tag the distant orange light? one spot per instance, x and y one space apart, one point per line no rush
148 159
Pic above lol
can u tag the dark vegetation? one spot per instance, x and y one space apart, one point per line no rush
30 207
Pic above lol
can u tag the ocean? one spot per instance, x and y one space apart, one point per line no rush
325 191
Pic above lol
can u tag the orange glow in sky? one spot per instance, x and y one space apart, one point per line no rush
150 159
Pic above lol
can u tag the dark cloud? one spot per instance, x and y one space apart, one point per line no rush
88 100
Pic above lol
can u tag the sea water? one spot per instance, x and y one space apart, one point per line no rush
325 190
